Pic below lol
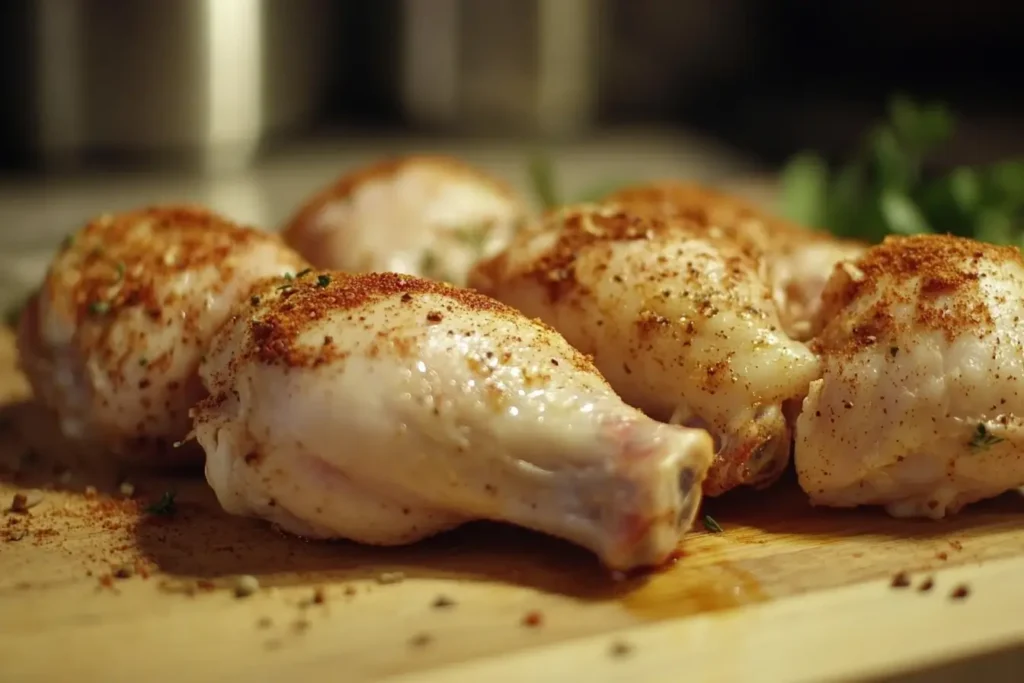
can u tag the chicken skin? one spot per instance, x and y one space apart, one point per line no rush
385 408
429 216
675 316
920 402
112 340
794 260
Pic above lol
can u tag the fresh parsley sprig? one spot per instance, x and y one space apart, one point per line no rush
886 187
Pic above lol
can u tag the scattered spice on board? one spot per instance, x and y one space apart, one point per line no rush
942 555
621 648
246 585
421 640
19 503
350 590
901 580
956 545
125 571
926 585
533 619
390 577
960 592
319 596
443 602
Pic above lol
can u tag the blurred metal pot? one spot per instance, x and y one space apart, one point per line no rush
160 81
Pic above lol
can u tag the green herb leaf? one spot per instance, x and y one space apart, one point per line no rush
901 214
165 506
304 271
542 179
711 525
983 439
805 189
323 280
99 307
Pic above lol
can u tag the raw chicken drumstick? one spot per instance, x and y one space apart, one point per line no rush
795 261
920 404
430 216
676 318
112 340
385 408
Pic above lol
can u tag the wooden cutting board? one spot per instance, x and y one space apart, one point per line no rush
784 592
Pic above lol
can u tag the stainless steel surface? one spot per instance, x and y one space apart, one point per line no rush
198 80
508 65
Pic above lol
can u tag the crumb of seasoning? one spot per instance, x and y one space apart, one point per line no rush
254 300
107 581
621 648
319 596
323 280
125 571
956 545
711 525
246 585
434 317
926 585
533 619
350 590
901 580
421 640
127 489
165 506
304 272
390 577
19 503
264 622
205 585
443 602
942 555
960 592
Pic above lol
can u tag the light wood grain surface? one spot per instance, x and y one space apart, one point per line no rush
785 593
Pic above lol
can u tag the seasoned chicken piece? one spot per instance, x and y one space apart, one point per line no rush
794 260
113 338
920 404
676 318
430 216
385 408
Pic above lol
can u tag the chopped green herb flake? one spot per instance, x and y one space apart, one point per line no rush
165 506
711 525
254 300
983 439
143 362
99 307
305 271
323 280
289 277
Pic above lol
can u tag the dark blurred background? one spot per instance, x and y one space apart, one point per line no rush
103 83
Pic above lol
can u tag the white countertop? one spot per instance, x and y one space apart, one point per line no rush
35 213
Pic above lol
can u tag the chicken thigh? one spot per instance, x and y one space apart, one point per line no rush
676 318
422 215
794 260
920 404
385 408
112 340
